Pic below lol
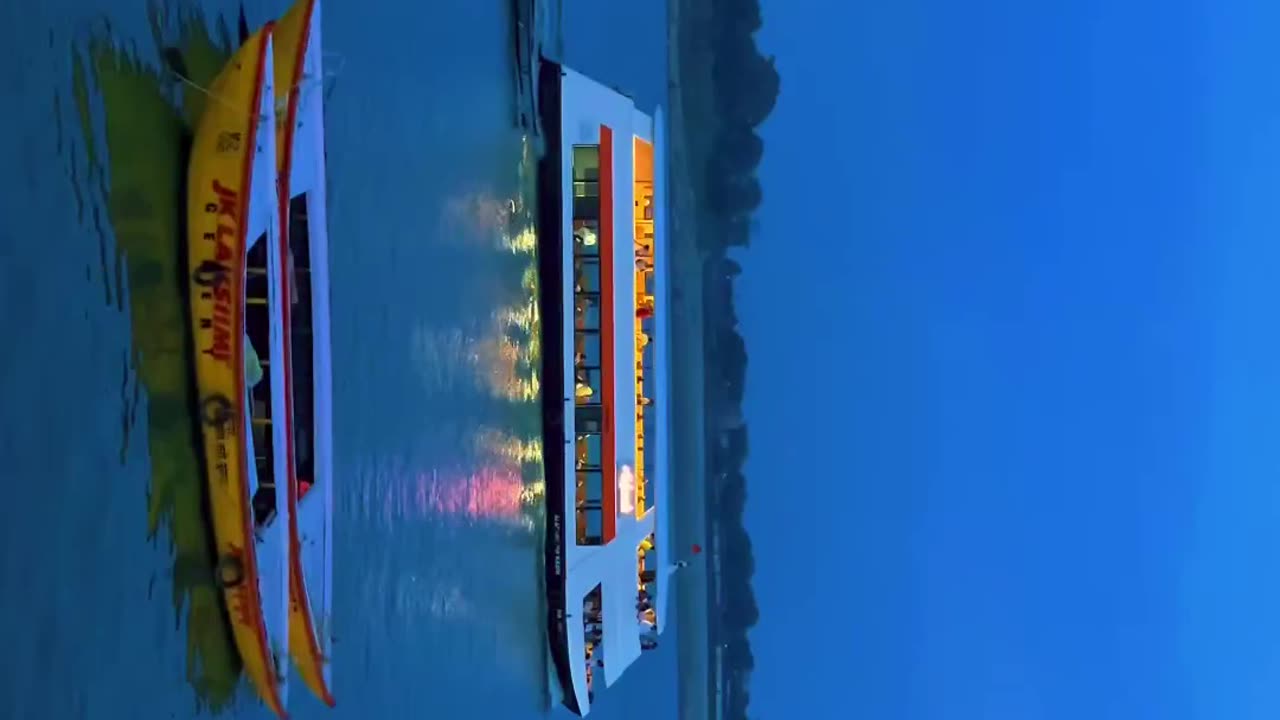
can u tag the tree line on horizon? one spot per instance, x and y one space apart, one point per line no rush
745 86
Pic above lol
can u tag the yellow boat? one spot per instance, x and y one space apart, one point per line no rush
234 259
304 243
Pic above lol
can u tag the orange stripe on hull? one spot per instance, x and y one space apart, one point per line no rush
608 339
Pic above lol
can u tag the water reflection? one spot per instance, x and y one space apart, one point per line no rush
134 125
502 354
500 482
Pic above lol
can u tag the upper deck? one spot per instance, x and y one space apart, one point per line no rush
604 270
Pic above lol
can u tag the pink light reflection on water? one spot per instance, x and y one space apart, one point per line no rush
492 492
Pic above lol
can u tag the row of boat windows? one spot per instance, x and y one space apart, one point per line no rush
588 359
588 351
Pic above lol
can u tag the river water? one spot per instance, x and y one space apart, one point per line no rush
108 609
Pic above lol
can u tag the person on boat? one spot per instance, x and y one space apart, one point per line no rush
252 365
306 473
585 236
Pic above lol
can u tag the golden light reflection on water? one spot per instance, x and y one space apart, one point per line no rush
503 482
515 351
509 447
504 354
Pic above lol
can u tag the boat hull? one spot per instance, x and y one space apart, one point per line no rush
300 145
225 166
550 230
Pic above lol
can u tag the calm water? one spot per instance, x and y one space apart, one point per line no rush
108 611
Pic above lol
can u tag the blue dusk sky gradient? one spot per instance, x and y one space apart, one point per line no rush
1013 316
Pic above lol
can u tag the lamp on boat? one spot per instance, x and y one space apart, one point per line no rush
626 490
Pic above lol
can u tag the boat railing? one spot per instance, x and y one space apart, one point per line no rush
593 633
643 218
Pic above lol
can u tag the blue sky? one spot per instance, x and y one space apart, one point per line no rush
1013 314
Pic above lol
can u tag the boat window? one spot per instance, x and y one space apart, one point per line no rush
593 632
586 182
595 361
589 491
646 590
301 346
257 352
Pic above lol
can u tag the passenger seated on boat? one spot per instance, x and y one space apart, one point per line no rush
252 365
585 236
582 390
306 471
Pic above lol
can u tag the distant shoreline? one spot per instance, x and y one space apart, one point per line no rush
689 484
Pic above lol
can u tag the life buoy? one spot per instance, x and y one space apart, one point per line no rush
230 572
216 410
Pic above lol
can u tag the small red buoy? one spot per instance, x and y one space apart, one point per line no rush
697 549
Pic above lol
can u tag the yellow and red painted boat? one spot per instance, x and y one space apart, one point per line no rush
234 261
304 244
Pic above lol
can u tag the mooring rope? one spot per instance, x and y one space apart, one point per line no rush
306 84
